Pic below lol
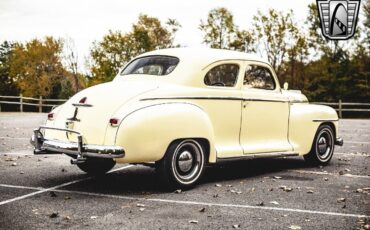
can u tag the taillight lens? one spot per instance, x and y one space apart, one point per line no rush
113 121
83 100
50 116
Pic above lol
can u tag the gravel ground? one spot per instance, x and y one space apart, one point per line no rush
46 192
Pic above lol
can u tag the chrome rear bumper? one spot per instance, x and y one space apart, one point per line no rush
78 149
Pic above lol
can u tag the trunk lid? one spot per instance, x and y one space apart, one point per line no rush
102 101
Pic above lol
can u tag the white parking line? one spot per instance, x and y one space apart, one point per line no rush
55 187
209 204
16 138
357 142
353 154
330 174
21 187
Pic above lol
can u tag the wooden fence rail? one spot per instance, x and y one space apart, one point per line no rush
40 102
339 106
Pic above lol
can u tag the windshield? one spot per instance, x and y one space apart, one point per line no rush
151 65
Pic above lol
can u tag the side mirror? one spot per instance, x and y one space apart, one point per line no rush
286 86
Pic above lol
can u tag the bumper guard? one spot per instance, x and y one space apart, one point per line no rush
339 141
78 149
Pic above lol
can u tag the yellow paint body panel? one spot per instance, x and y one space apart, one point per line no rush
156 110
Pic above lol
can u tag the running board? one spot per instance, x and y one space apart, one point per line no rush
257 156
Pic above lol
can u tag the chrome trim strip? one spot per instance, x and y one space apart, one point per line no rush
210 98
82 105
323 120
73 148
59 129
257 156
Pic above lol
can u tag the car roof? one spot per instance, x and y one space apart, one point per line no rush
204 55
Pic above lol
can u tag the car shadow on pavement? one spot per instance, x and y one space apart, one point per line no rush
255 168
141 180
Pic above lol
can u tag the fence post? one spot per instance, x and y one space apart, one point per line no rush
21 102
340 108
40 104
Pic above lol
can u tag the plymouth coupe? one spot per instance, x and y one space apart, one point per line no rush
181 109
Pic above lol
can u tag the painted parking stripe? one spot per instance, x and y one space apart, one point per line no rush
353 154
16 138
330 174
357 142
209 204
21 187
56 187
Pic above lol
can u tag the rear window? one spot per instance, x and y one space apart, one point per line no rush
151 65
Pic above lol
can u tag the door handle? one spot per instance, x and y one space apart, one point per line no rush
245 104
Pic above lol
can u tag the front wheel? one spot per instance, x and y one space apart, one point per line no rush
322 148
96 166
183 164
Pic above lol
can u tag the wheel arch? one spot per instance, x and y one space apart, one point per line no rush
202 141
332 125
146 133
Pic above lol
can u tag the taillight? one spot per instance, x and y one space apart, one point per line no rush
83 100
114 121
50 116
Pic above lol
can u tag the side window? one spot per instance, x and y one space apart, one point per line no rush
258 77
222 75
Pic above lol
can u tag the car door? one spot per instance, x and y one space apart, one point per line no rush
221 100
265 112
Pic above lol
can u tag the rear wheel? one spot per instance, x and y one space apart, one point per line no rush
183 164
323 146
96 166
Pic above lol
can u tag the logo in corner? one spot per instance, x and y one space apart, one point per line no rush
338 18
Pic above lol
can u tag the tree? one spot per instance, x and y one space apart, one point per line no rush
319 44
117 48
244 41
219 29
277 33
294 67
366 8
8 86
70 61
36 66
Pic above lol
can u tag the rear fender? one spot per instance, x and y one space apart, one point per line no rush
146 133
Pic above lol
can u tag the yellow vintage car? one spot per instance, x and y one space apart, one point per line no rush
184 108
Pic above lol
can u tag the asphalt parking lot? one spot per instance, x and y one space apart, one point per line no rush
47 192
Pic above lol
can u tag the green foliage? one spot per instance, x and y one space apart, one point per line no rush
277 34
366 9
220 32
324 70
8 86
117 48
219 28
36 66
340 72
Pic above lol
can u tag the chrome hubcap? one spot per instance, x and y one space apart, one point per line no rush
325 144
185 161
322 145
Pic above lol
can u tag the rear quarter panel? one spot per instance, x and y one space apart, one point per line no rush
146 133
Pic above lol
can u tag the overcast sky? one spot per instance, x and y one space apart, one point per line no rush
86 21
